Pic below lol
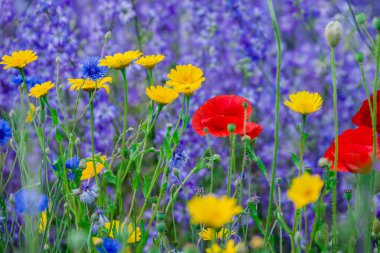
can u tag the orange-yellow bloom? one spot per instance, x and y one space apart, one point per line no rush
19 59
120 60
30 114
90 85
89 172
161 95
150 61
40 90
134 234
185 79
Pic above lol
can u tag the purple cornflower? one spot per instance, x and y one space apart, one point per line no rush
5 132
30 201
87 193
179 159
72 164
91 68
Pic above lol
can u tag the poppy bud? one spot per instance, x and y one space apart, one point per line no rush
246 139
359 57
360 19
108 35
231 128
47 151
77 141
58 60
333 33
348 195
376 23
245 104
323 162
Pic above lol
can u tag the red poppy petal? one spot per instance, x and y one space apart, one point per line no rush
253 130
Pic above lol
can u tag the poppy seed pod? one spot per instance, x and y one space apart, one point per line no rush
231 128
333 33
360 19
376 23
359 57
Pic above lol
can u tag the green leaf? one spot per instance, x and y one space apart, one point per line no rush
54 116
145 185
58 135
295 159
136 182
110 177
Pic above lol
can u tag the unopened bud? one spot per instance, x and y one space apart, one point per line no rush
108 35
160 226
333 33
348 195
376 227
359 57
169 126
376 23
323 162
57 60
360 19
245 104
11 198
278 180
231 128
82 164
47 151
77 141
216 158
246 138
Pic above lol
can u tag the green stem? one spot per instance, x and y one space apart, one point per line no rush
125 85
274 163
294 230
302 143
334 197
232 163
93 141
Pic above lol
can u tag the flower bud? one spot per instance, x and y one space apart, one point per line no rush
278 180
12 113
108 35
205 130
160 226
333 33
323 162
376 23
359 57
360 19
11 198
82 164
160 216
169 126
57 60
376 227
348 195
47 151
246 138
46 247
176 172
231 128
215 158
245 104
77 141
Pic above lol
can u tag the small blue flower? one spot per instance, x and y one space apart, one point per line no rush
30 201
91 68
179 159
73 163
87 193
5 132
30 81
110 246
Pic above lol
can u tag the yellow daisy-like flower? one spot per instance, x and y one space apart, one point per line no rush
19 59
134 235
230 248
186 79
304 102
209 234
90 85
161 95
43 223
119 60
88 172
305 189
213 212
150 61
40 90
30 114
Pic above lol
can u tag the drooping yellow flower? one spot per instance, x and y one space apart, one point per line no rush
119 60
230 248
150 61
90 85
209 234
134 235
43 222
161 95
213 212
30 114
97 241
305 189
88 172
186 79
40 90
19 59
304 102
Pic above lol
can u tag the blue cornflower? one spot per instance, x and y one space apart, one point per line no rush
179 159
110 246
72 164
5 132
30 201
30 81
87 193
91 68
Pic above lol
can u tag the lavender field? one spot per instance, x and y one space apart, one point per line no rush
189 126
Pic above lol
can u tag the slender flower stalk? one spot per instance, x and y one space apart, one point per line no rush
275 151
125 86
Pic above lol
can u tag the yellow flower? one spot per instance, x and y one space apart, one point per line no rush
90 85
97 241
304 102
88 172
230 248
119 60
19 59
213 212
150 61
209 234
185 79
305 189
30 114
43 223
161 95
134 235
40 90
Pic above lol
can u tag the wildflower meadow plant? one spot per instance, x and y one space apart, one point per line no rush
139 145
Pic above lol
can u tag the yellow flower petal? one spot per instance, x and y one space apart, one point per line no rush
30 114
43 223
120 60
304 102
161 95
150 61
185 79
89 172
90 85
19 59
40 90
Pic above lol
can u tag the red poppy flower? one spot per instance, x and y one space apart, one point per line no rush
253 130
218 112
355 151
363 116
